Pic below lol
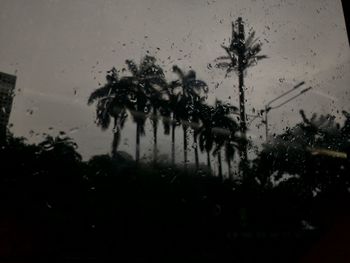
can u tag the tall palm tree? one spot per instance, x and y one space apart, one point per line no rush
145 81
111 104
192 90
241 53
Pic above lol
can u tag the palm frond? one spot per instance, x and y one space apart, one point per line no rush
230 150
223 58
261 57
224 65
198 84
103 120
132 67
250 41
99 93
123 116
346 114
251 52
147 62
228 71
228 51
179 72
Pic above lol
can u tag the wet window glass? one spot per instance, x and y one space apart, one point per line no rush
163 130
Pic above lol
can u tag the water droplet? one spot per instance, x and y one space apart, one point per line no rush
30 112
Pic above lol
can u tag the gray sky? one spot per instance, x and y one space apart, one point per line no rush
60 50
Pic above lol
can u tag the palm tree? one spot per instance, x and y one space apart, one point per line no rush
61 145
218 128
168 111
320 131
319 147
240 55
225 129
206 136
146 81
191 94
198 117
158 102
111 104
231 144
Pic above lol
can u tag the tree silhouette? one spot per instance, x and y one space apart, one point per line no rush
241 53
206 136
320 131
317 144
19 159
225 129
192 90
168 111
157 100
195 125
231 144
346 128
146 82
219 129
112 102
61 147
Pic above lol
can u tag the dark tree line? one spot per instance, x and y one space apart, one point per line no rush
146 93
108 207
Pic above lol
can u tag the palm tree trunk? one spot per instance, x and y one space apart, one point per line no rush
195 149
243 125
185 146
138 133
220 165
115 143
155 131
116 138
229 169
173 143
208 160
155 141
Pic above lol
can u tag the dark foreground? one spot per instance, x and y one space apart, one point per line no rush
56 208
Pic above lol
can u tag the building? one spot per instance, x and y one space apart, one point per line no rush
7 86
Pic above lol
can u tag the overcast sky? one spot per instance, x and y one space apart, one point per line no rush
61 49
